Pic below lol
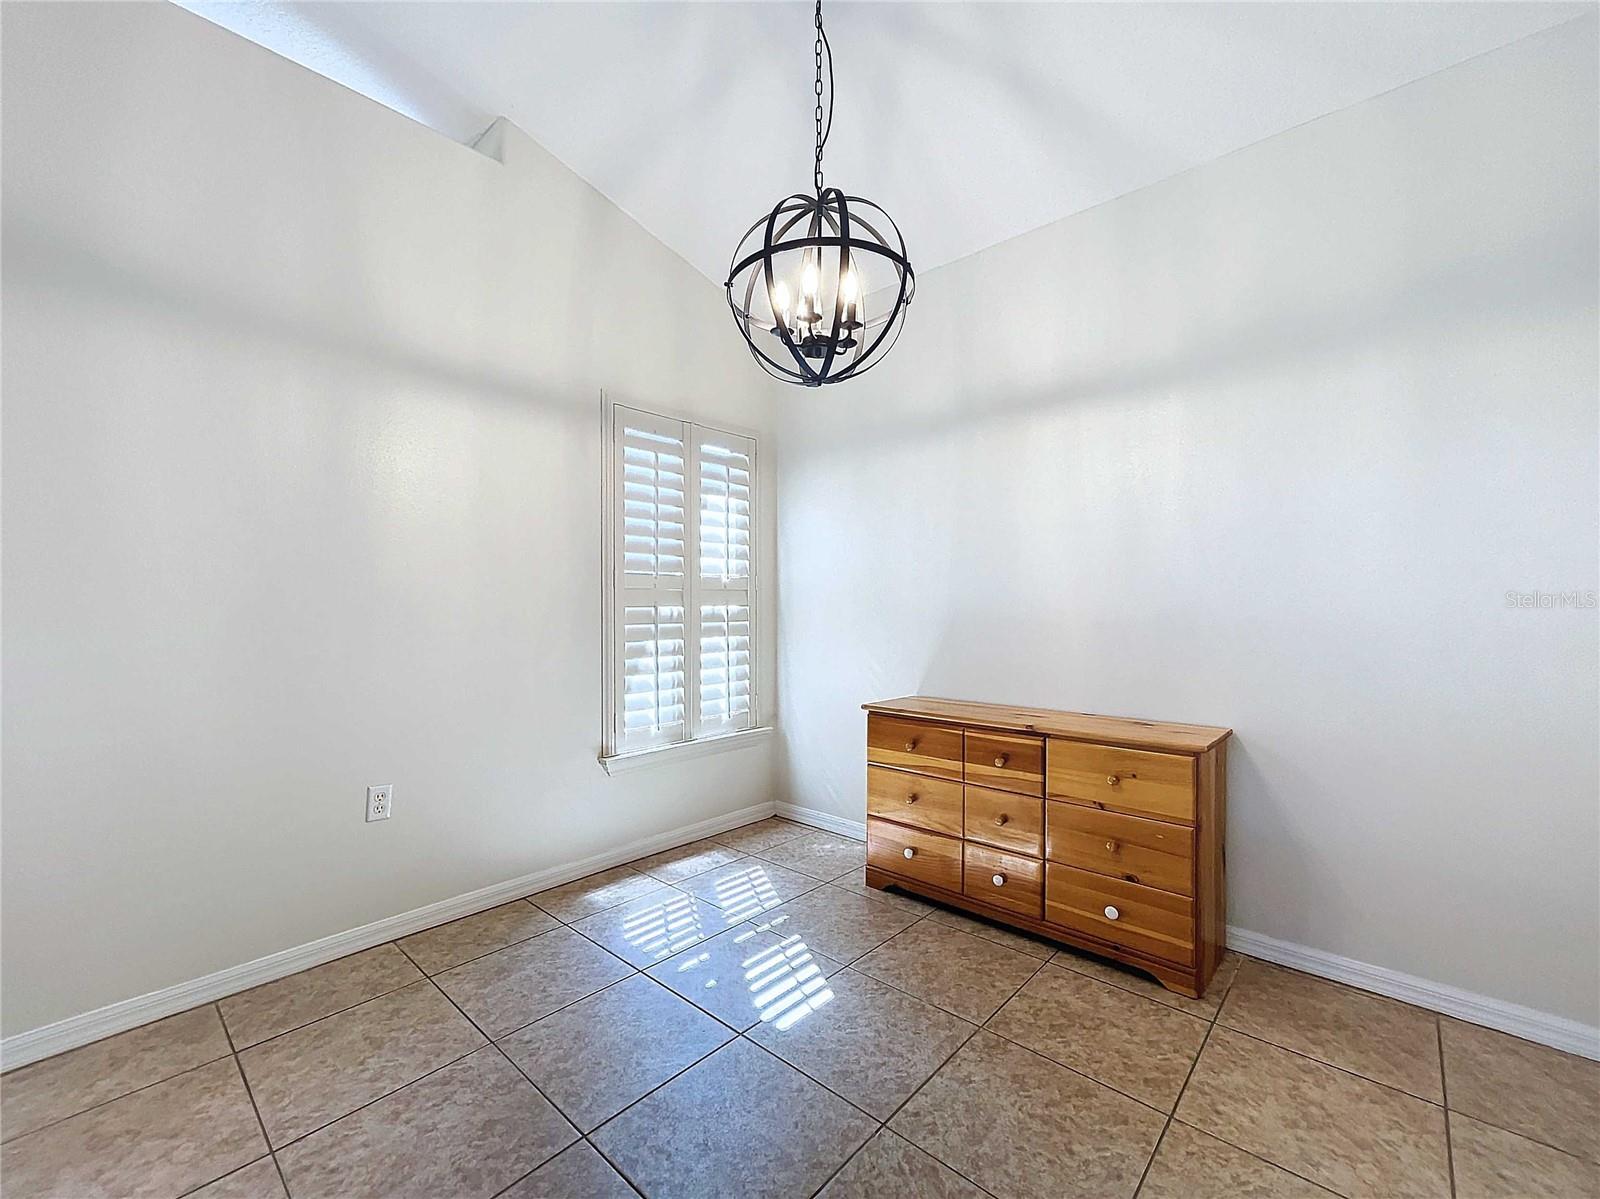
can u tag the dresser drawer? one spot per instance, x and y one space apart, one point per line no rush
1139 918
1124 780
910 852
930 803
1127 847
1005 821
914 745
1019 885
1006 763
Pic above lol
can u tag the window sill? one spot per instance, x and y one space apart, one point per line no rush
682 751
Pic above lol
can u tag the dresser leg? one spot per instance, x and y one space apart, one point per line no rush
1180 982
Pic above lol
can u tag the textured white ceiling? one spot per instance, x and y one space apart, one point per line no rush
969 122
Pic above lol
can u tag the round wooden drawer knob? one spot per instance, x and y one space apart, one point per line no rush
909 852
1001 819
1000 761
1112 913
1112 780
1111 847
999 880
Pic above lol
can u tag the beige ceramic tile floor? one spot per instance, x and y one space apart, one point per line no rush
743 1017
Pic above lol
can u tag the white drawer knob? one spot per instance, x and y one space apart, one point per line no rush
1112 913
1000 761
999 880
909 852
1112 780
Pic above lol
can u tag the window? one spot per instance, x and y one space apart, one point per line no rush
681 593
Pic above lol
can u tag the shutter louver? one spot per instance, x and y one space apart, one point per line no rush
652 504
654 674
724 509
725 696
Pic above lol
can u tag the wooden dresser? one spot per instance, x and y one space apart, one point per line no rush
1100 832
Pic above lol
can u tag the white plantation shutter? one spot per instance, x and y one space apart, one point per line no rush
651 650
681 607
726 700
724 468
655 658
724 476
653 535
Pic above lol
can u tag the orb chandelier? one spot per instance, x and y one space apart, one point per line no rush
801 299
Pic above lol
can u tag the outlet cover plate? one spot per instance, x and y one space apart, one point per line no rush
380 802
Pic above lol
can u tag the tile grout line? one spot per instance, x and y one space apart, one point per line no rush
616 1167
1172 1119
276 1149
1129 990
251 1095
290 1144
487 953
506 1057
583 1136
273 1150
1251 1153
235 1051
1216 1017
965 1041
326 1015
1216 1022
1156 1148
396 943
236 1170
737 1035
12 1142
1145 1103
975 1029
1444 1091
1213 1023
1348 1073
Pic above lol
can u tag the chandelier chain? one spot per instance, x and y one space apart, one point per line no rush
823 127
823 332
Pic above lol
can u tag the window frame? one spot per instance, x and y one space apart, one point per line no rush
615 753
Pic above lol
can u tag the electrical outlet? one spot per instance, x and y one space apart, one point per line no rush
380 802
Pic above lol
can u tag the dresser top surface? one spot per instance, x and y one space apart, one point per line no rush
1079 726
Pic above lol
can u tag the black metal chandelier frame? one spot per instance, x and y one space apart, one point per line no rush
820 352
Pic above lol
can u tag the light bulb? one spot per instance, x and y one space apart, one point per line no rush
780 297
850 287
808 280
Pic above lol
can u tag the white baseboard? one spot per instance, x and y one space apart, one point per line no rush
1556 1031
1528 1023
51 1039
826 821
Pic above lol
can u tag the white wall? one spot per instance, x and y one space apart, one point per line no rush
301 493
1265 445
